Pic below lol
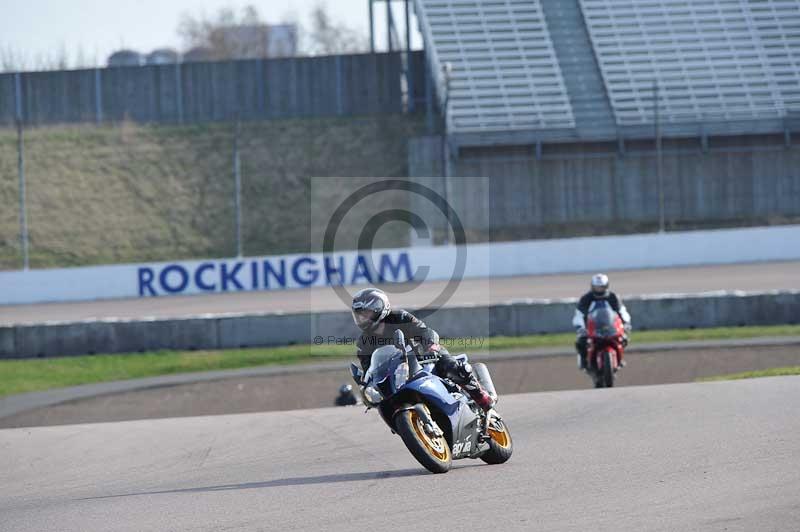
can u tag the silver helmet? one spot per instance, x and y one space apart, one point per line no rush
370 307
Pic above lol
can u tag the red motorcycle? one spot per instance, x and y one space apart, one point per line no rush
606 344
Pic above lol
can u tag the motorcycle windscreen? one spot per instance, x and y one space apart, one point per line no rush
605 322
383 363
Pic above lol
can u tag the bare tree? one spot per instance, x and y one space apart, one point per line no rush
12 60
61 58
329 37
227 35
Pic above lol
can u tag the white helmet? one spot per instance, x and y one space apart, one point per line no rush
600 284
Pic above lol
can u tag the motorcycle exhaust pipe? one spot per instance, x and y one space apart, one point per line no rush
483 376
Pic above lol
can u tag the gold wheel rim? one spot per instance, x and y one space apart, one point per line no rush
499 434
436 446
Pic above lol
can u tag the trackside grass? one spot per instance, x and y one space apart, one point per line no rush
772 372
28 375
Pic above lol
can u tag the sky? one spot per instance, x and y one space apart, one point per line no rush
40 28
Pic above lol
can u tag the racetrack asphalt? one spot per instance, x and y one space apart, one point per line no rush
688 280
315 385
701 457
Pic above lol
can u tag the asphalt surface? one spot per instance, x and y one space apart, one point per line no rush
316 385
712 456
747 277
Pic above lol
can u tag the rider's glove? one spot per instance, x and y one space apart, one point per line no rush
581 332
627 327
428 352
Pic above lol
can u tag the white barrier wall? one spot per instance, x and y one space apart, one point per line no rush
411 264
321 328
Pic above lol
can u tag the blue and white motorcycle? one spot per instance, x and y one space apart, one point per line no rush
436 420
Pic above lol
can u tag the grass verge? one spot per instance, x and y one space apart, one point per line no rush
28 375
772 372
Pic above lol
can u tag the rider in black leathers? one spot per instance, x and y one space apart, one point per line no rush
378 322
599 292
345 397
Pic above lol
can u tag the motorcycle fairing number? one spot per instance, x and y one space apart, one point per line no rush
462 448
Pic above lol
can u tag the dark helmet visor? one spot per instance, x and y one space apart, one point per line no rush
600 290
365 318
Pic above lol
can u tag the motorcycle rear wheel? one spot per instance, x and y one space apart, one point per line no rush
430 451
500 444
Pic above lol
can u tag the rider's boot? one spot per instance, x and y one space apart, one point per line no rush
581 362
481 398
478 393
461 373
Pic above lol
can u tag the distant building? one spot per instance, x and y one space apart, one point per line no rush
198 53
228 42
242 42
125 58
282 40
163 56
256 41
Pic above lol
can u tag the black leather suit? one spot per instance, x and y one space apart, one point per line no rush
426 342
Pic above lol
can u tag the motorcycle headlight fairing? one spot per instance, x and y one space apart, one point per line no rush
372 395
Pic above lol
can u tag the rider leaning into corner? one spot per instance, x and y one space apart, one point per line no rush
586 304
378 322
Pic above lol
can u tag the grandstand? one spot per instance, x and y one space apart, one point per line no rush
566 70
608 116
505 73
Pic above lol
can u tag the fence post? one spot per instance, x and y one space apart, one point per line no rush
659 170
179 92
446 169
339 95
17 96
261 104
389 26
237 178
23 217
371 27
409 68
428 98
98 96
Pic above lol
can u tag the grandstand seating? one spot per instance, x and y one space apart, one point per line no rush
713 60
505 74
568 70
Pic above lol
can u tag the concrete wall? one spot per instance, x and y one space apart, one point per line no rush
581 188
423 263
533 317
207 91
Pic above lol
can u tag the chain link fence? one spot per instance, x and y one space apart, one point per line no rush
100 194
132 193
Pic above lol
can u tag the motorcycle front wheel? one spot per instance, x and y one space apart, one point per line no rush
608 370
500 445
433 452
